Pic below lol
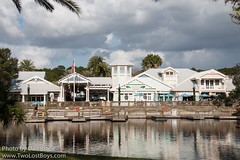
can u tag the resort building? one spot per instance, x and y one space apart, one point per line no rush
164 84
161 84
32 87
76 87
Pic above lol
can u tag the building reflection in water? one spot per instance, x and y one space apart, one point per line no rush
174 139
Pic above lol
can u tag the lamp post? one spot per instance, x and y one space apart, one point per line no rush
119 95
194 95
28 92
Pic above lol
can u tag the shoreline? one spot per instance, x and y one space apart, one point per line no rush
122 114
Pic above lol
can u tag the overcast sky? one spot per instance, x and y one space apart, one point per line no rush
185 33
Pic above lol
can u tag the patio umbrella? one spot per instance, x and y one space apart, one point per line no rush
185 95
138 94
204 95
169 95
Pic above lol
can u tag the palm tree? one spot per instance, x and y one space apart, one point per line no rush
98 67
235 15
105 70
151 61
26 65
69 4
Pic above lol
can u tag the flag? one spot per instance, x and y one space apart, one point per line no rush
73 67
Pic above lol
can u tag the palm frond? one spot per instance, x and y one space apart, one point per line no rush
18 5
45 4
71 5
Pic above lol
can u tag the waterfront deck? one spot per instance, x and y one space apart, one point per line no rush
125 118
119 119
159 118
121 114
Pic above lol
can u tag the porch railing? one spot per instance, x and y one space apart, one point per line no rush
94 104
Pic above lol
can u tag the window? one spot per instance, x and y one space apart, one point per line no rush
126 96
115 69
122 69
202 82
209 84
33 99
149 97
169 74
216 82
145 96
129 70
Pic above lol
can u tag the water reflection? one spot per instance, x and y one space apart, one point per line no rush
174 139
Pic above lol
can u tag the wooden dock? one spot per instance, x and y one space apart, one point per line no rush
58 119
42 120
227 117
159 118
118 119
197 117
79 119
102 118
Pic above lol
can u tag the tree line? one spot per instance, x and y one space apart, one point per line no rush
96 67
9 66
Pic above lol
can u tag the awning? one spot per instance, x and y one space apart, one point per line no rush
185 95
204 95
138 94
169 95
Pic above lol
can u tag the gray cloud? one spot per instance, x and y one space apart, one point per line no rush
190 33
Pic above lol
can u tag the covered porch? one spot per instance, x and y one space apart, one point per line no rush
76 87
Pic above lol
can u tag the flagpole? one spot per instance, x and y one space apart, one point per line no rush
74 96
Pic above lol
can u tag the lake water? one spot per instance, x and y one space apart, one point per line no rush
174 139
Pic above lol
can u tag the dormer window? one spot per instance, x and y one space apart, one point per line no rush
169 74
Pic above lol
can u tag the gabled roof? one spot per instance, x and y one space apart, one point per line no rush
38 85
70 78
148 80
168 68
36 79
24 75
145 76
137 82
209 72
185 86
183 73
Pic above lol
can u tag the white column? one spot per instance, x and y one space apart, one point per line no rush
74 85
63 91
87 93
154 96
108 94
23 98
44 99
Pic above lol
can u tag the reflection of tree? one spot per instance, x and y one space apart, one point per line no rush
208 139
119 136
27 138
